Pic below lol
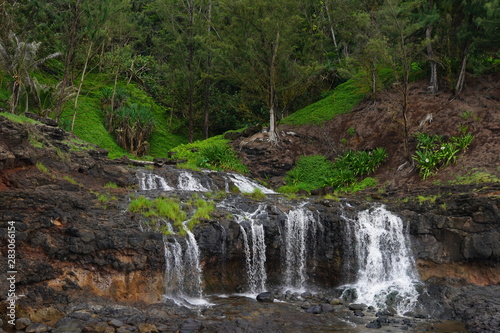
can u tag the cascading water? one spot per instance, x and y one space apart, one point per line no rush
386 270
183 274
254 245
150 181
299 223
246 185
187 182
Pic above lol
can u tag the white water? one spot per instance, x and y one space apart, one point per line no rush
247 185
189 183
149 181
254 246
297 226
386 272
183 274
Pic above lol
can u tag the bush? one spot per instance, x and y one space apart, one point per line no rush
433 153
213 153
312 172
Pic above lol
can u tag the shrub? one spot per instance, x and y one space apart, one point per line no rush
433 153
257 194
316 171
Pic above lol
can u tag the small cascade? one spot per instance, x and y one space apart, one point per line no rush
187 182
183 274
254 246
299 223
149 181
246 185
255 258
386 270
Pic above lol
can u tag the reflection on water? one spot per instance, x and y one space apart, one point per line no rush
291 318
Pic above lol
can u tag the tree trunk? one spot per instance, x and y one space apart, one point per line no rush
68 62
208 81
14 98
433 84
461 77
80 87
273 137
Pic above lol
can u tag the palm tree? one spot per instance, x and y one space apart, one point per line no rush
18 59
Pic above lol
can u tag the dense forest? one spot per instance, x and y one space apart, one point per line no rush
198 68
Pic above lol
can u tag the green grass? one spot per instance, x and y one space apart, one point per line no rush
257 194
212 153
42 168
475 177
342 99
19 118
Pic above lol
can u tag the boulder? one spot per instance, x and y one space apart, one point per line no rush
266 297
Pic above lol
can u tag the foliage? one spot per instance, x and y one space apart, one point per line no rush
475 177
434 153
342 99
211 153
132 126
257 194
171 210
312 172
42 167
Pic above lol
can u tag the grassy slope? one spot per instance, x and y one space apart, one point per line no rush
89 124
341 100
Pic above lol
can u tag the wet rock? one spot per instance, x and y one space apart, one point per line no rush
336 301
315 309
146 328
305 305
374 324
116 323
266 297
37 328
355 306
22 323
325 307
359 313
190 326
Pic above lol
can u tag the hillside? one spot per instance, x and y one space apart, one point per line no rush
378 123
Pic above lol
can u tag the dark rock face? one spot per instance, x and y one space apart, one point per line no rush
266 297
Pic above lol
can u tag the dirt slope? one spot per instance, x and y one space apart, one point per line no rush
378 123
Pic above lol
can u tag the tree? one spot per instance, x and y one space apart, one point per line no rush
264 48
401 26
19 59
185 29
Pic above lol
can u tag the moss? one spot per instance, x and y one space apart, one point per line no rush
42 168
257 194
341 100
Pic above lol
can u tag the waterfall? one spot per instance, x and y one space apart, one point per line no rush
254 245
150 181
183 274
386 270
189 183
246 185
299 223
255 258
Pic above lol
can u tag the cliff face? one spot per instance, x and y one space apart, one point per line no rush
75 240
72 241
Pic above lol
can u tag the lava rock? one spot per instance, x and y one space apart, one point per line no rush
315 309
266 297
374 324
357 306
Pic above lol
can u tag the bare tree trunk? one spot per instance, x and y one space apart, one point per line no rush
208 81
461 77
273 137
80 86
190 66
433 84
